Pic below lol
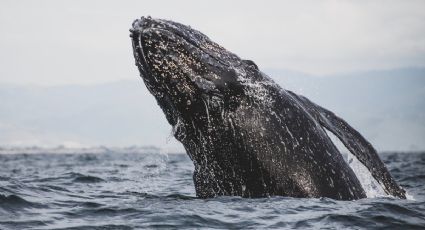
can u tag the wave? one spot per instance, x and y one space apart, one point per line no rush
135 191
84 150
81 178
13 202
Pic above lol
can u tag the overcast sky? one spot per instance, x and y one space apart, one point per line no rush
61 42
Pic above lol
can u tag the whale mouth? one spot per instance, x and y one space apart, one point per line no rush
140 57
136 33
178 61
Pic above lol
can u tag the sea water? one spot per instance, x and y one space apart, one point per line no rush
131 188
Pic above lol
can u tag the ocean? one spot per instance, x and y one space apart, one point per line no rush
134 188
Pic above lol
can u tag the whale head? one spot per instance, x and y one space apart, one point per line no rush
189 75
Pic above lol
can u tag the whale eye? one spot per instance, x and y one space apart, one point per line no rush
251 63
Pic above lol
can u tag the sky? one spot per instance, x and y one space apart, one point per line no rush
79 52
87 42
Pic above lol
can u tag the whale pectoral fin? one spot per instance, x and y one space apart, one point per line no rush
355 143
251 63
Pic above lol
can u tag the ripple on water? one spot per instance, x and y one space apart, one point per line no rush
81 178
13 201
133 191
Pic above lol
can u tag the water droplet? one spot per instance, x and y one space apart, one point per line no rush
189 102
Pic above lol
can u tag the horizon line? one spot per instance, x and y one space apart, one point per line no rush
265 70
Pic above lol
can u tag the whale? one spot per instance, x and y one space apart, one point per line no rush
246 135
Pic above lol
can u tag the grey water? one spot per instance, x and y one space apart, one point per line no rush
128 189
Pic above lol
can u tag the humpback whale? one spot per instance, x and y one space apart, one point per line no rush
246 135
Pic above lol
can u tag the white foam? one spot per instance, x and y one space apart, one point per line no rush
372 188
370 185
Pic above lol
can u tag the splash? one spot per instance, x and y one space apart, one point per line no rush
372 188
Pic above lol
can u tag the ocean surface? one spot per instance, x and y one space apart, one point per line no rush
133 188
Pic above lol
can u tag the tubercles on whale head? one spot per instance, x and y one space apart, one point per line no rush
183 68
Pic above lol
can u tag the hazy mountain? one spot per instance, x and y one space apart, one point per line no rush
387 107
113 114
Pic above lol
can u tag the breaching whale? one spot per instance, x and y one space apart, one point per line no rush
245 134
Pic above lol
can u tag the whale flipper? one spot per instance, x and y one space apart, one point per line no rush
355 143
